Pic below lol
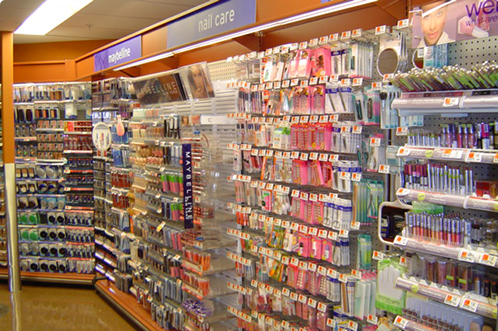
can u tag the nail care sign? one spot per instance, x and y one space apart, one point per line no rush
216 19
118 54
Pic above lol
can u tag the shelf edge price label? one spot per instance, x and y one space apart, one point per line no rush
355 225
343 278
402 241
375 142
357 81
402 261
331 322
352 326
380 30
383 169
345 35
452 300
466 256
372 319
403 23
474 157
356 33
376 85
400 322
323 40
452 154
355 273
451 102
403 151
402 131
334 37
376 255
402 192
356 176
487 259
344 233
469 305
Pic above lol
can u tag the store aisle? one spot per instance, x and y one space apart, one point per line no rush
44 308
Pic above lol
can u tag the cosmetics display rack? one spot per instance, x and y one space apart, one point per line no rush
112 103
448 175
309 169
169 257
55 208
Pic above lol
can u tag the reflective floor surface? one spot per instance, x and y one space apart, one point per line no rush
46 308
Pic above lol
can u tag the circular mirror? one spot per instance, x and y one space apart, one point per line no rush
387 62
101 137
418 58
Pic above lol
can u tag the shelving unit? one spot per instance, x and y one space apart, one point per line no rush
55 237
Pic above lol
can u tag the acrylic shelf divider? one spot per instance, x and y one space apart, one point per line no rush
447 154
459 201
465 254
455 298
447 102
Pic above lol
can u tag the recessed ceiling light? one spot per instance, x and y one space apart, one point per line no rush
49 15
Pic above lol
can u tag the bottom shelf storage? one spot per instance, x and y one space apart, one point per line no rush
127 305
48 277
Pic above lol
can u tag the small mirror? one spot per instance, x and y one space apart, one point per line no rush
387 62
418 58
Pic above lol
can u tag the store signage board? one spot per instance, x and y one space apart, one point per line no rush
118 54
219 18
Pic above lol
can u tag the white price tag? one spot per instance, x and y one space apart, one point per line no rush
352 326
451 102
378 255
452 300
383 169
474 157
403 151
380 30
487 259
375 142
331 322
372 319
400 322
402 192
401 241
356 177
403 23
345 35
469 305
466 256
452 154
402 131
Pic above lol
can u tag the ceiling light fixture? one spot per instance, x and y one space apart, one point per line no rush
289 20
49 15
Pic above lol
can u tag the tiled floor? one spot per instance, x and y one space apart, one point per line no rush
45 308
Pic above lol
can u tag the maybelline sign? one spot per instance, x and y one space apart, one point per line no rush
118 54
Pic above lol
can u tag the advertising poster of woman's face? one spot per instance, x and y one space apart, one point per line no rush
199 81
